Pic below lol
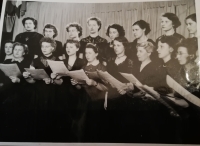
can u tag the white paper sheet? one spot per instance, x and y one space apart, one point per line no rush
10 70
58 67
37 74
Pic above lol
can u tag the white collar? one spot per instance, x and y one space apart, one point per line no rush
17 59
94 63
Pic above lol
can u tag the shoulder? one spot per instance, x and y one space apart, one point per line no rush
101 67
179 36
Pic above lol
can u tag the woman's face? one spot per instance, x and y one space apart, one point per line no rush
93 26
166 24
29 25
46 48
164 50
118 47
90 54
18 52
48 32
142 54
138 32
182 55
8 48
73 32
191 26
71 49
113 33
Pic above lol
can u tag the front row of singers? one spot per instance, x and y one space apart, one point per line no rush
83 103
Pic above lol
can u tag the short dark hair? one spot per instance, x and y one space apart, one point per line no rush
78 27
93 47
30 18
77 43
50 26
49 40
143 25
191 44
118 27
95 19
123 40
25 47
172 41
192 17
175 20
8 41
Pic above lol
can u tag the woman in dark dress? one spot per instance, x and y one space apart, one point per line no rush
31 38
94 25
69 98
43 93
95 119
119 119
140 30
113 31
51 31
169 23
15 97
188 77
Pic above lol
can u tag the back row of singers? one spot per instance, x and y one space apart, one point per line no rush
76 97
169 22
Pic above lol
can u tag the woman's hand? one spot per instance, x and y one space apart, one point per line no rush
74 82
91 82
26 75
55 76
14 79
47 80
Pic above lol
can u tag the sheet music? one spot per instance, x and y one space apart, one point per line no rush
182 91
107 77
131 78
58 67
78 75
38 74
10 70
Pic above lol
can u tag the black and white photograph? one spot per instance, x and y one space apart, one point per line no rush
100 72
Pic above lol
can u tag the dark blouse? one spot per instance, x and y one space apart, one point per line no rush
108 52
148 75
93 92
99 41
32 40
59 49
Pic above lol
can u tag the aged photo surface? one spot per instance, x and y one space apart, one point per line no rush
100 72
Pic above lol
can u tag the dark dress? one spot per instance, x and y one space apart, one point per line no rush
99 41
119 115
108 52
191 123
96 115
32 40
73 101
14 106
59 49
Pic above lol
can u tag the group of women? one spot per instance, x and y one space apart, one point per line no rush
59 108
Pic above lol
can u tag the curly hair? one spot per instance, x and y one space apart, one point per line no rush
77 43
175 20
119 28
32 19
25 47
143 25
50 26
77 26
49 40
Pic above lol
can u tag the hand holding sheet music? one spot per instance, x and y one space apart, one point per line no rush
78 75
10 70
38 74
182 91
58 67
110 79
